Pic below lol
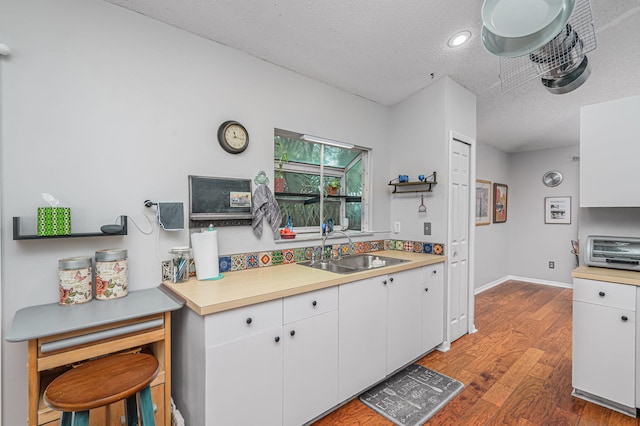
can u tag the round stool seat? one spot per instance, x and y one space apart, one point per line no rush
101 382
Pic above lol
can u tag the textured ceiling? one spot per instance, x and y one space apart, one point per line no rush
387 50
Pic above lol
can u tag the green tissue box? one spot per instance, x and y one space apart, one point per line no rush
54 221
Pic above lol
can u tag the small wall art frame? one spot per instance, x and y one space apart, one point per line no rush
557 210
483 202
500 198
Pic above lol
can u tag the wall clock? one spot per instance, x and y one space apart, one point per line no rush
233 137
552 178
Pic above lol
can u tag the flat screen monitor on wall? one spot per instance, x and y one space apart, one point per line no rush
216 198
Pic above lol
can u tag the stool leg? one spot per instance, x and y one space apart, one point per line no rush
65 419
131 411
80 418
146 407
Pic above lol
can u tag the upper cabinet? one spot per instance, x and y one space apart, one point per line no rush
609 154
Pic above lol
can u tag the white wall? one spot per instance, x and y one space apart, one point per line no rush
532 242
491 241
524 245
611 221
419 141
105 108
418 138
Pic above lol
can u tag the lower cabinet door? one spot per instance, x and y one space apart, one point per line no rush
404 340
363 336
604 352
310 367
244 381
432 314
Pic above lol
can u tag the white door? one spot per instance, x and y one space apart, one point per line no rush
458 250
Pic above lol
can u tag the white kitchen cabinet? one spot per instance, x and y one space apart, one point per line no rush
362 336
273 363
380 328
287 361
310 355
404 332
244 366
609 153
604 343
244 381
432 306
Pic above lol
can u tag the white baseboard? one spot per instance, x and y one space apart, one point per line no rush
516 278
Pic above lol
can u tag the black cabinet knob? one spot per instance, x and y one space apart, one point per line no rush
391 279
293 333
426 289
624 318
384 282
314 303
249 320
601 294
277 339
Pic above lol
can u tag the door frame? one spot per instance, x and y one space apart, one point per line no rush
471 328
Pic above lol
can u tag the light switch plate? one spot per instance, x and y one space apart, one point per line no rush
396 227
427 228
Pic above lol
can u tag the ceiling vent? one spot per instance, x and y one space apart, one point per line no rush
546 39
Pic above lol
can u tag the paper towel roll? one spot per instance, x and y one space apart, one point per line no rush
205 254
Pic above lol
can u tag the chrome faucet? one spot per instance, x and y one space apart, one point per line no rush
326 234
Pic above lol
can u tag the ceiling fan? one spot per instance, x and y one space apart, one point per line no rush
540 38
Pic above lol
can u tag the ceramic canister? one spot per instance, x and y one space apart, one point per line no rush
111 274
74 274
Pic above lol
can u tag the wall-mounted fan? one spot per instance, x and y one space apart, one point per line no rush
540 38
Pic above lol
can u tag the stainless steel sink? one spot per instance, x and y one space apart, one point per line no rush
367 261
351 264
330 266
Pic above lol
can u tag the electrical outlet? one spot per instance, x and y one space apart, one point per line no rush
552 264
427 228
396 227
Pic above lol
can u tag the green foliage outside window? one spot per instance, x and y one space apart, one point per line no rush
303 189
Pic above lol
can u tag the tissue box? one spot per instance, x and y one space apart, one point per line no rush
54 221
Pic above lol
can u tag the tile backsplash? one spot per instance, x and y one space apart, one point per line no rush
241 261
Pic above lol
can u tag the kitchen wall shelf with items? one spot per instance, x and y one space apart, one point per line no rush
314 198
425 185
120 229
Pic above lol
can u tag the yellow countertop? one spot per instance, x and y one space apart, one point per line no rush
251 286
619 276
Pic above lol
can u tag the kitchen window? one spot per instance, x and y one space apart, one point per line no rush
306 173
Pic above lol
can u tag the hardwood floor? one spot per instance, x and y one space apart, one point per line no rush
516 368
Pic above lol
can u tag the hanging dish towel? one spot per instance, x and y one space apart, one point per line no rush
265 207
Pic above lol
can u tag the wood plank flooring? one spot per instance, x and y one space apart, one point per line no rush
516 368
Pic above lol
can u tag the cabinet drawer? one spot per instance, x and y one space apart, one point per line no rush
242 322
433 272
309 304
604 293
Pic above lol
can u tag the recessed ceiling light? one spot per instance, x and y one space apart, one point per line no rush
459 38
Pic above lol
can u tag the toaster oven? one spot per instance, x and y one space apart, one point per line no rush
613 252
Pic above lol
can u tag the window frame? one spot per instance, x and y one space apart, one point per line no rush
324 171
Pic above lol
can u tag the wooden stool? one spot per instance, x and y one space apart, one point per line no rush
102 382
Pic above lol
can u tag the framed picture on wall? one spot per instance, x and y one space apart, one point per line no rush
483 202
500 198
557 210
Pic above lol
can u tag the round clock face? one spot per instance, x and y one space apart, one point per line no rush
552 178
233 137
